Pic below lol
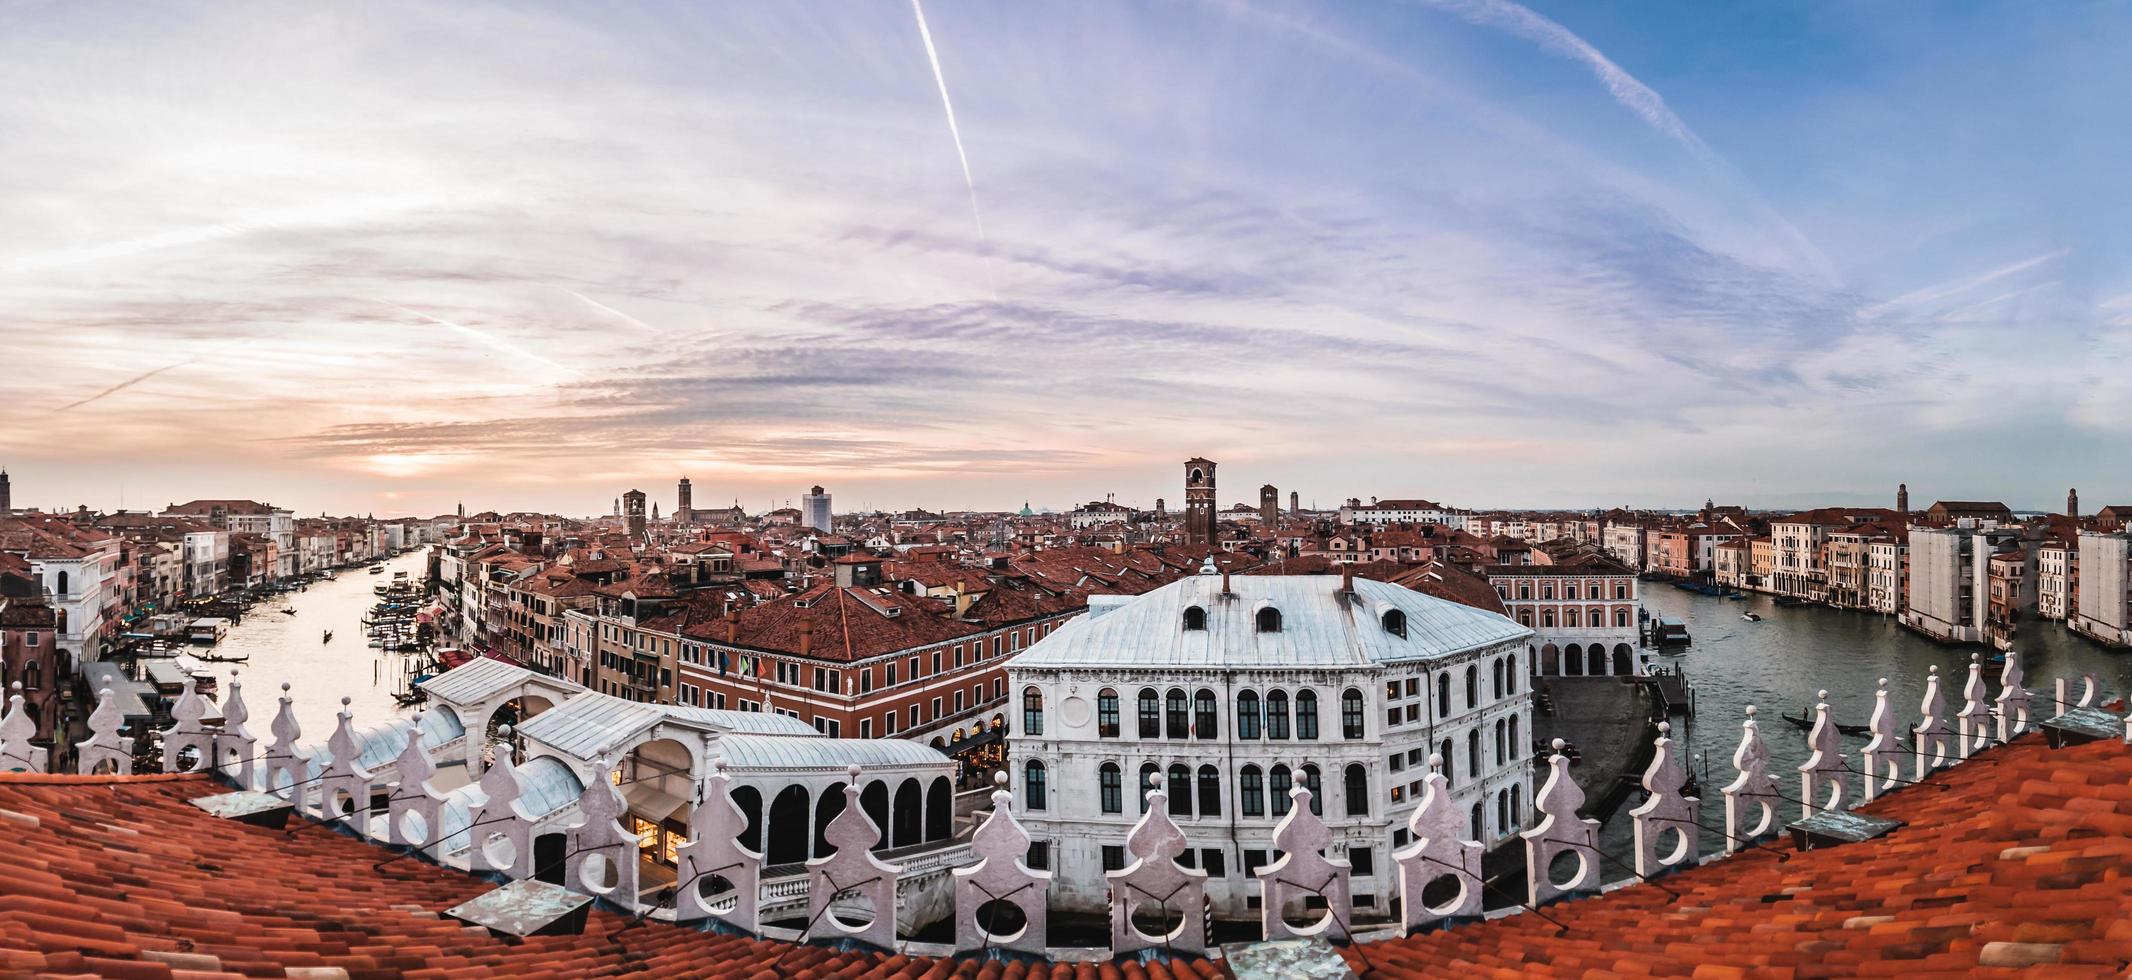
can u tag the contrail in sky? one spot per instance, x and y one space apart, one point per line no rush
488 339
123 385
954 131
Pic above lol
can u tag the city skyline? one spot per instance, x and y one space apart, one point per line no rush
1548 256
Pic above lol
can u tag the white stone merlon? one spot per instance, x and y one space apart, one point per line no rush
1821 784
1667 808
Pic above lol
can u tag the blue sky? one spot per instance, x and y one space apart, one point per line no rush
382 259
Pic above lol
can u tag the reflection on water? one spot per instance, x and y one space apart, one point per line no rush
1778 664
287 649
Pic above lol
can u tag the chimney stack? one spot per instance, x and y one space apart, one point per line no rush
806 637
732 625
1347 578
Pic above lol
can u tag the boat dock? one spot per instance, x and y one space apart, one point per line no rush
1670 688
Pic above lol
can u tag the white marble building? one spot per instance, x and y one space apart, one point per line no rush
1227 692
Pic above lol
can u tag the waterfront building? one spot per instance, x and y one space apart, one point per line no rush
2057 577
1584 615
1967 513
77 567
1225 692
1798 558
814 510
1626 542
2104 612
1728 563
1950 587
1850 563
1888 570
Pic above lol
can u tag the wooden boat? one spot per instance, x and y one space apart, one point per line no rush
1804 721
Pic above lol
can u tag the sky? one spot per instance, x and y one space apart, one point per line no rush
384 258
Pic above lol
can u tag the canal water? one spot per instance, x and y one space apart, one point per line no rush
288 649
1779 663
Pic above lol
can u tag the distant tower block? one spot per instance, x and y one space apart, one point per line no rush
814 510
1269 505
685 503
2072 499
7 495
1199 501
1295 502
1162 509
1902 499
633 512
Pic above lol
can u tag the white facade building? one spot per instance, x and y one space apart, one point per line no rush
2105 610
1227 692
1950 588
2055 563
814 510
1395 512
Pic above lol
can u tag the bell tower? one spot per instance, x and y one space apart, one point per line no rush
2072 502
1199 501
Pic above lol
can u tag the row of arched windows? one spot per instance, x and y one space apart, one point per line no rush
1199 792
1569 591
1596 618
1177 716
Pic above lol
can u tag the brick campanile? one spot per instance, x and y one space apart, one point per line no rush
1199 503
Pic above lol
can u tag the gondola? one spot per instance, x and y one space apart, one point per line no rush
1805 722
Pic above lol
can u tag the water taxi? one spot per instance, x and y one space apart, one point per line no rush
207 629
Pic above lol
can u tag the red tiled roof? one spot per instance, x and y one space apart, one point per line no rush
120 877
2026 853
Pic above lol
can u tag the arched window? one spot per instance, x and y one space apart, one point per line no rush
1195 618
1107 713
1621 590
1254 792
1502 809
62 590
1033 785
1495 671
1357 790
1515 751
1180 791
1276 714
1473 752
1395 623
1150 713
1203 720
1269 620
1569 617
1473 685
1209 791
1478 830
1621 618
1278 783
1150 775
1502 742
1443 696
1316 787
1178 714
1525 618
1351 714
1112 784
1517 808
1306 714
1247 716
1510 676
1525 591
1032 712
1450 774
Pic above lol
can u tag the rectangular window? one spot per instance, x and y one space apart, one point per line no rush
936 661
888 723
958 702
1039 855
936 709
1113 857
890 680
866 728
1362 861
1212 860
1253 860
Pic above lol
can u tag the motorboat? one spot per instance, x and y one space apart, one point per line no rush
1751 617
208 629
